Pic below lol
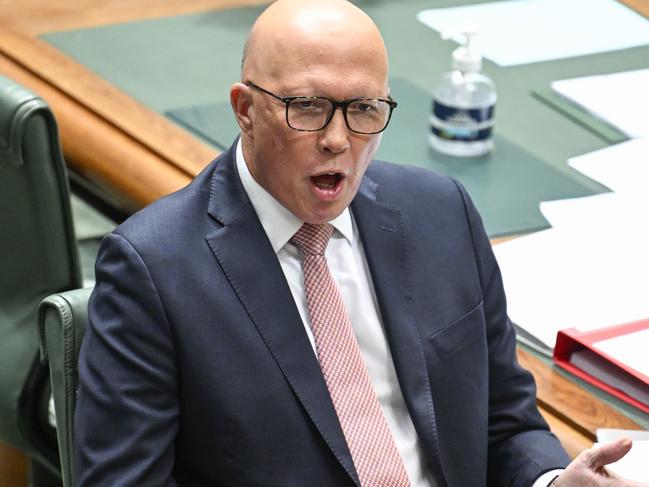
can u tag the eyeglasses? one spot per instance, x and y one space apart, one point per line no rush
313 113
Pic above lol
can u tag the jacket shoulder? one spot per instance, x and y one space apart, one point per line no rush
403 184
172 214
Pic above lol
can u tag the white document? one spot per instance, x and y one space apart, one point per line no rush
623 168
592 268
584 277
619 99
633 466
609 209
527 31
631 349
605 435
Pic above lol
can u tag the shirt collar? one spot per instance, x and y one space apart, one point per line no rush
279 223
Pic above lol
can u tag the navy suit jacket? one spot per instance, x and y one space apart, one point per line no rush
196 369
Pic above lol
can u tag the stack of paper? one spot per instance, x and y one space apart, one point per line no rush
585 278
591 269
623 168
619 99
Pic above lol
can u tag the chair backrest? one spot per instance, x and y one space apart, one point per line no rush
62 320
38 253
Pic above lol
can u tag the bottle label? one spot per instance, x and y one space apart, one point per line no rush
462 124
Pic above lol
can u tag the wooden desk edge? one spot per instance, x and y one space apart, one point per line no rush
570 403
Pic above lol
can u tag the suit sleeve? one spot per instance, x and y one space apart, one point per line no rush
127 408
521 447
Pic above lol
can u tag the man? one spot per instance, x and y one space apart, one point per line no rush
225 350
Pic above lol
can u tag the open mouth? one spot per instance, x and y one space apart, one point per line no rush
327 181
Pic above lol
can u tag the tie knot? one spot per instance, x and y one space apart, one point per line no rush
313 239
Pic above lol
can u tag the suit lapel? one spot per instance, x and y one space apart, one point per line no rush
384 240
247 258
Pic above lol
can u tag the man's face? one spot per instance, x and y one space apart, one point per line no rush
315 175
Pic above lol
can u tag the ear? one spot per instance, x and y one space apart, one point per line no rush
241 101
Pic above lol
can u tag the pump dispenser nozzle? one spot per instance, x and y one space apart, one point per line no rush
466 58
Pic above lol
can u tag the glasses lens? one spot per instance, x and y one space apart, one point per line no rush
365 116
308 113
368 116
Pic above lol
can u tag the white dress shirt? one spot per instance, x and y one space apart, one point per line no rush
347 264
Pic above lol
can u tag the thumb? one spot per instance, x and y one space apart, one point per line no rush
609 452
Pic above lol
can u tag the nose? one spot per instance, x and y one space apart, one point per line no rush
335 136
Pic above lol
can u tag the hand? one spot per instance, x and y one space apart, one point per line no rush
588 468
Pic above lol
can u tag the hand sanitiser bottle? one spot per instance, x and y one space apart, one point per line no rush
464 101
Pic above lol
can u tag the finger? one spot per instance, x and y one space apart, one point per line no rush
609 452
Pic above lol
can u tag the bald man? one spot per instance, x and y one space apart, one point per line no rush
223 350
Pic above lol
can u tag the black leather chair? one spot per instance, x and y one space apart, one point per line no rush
38 257
62 322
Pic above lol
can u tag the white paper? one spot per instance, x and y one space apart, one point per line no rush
610 209
611 434
620 99
592 268
527 31
631 349
633 466
624 167
585 278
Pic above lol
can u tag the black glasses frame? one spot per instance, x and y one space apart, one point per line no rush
335 104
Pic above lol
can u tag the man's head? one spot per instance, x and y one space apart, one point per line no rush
327 48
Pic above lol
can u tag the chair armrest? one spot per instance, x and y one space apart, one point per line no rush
62 320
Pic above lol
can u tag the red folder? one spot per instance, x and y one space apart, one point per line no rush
572 340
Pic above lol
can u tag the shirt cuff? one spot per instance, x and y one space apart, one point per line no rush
545 479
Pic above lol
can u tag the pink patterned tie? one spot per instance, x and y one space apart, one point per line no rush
368 436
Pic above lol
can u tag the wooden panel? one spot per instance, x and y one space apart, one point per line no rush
101 151
132 153
106 135
13 465
94 94
640 6
37 17
570 403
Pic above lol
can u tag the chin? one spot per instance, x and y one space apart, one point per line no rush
317 217
327 216
317 220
